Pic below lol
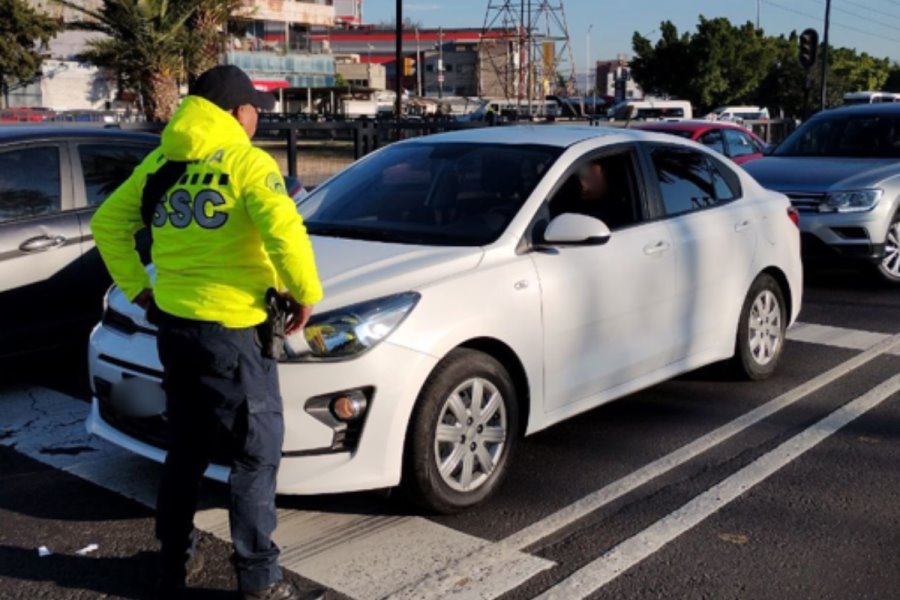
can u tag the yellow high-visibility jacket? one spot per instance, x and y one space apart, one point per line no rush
226 232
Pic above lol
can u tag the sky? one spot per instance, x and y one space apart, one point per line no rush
871 26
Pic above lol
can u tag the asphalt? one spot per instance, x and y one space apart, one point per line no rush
827 525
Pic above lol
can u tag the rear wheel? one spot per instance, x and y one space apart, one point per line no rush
462 433
761 330
889 267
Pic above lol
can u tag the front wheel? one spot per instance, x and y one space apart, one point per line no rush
889 267
761 330
462 433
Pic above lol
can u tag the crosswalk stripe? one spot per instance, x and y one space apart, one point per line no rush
489 558
634 550
365 557
368 556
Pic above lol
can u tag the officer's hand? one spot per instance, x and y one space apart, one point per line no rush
144 298
298 315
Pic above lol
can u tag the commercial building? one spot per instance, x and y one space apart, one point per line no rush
452 62
614 79
270 39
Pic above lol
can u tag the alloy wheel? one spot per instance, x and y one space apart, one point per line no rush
766 332
470 435
891 261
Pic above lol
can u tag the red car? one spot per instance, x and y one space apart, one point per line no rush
737 143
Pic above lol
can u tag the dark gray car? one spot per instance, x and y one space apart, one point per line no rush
841 170
52 178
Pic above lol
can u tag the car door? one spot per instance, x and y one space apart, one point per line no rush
607 310
714 236
40 244
100 166
741 147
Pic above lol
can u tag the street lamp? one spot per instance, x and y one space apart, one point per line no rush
587 68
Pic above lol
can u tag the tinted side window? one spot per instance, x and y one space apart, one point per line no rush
603 187
29 182
690 180
105 167
739 144
713 140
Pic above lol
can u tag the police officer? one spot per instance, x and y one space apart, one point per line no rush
224 232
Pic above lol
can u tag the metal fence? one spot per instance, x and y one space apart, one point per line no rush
316 150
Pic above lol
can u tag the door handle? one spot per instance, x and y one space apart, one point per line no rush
657 248
742 226
42 243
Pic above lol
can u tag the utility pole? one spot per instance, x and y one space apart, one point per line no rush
398 64
587 69
418 66
825 52
757 13
440 69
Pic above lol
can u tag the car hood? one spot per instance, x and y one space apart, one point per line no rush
808 174
357 270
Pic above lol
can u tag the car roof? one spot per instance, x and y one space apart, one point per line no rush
560 136
882 108
688 125
20 133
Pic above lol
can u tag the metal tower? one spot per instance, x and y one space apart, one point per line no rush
525 51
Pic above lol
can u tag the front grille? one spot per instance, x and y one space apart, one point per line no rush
806 201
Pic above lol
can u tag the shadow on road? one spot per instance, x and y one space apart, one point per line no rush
134 576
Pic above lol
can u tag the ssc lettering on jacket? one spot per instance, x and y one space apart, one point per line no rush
184 210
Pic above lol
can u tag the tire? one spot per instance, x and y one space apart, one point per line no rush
761 330
475 450
889 268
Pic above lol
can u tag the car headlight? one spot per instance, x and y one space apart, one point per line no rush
852 201
348 332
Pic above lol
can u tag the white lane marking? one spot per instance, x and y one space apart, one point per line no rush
489 558
838 337
632 551
362 556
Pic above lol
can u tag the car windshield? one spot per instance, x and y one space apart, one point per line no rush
854 136
442 194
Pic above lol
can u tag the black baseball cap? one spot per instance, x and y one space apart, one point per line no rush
228 87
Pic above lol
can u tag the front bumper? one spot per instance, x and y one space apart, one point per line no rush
313 462
843 237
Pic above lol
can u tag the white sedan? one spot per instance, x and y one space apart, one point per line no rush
485 284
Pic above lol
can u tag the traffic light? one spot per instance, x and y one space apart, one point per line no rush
809 45
409 67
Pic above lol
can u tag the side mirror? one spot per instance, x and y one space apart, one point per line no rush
576 230
768 149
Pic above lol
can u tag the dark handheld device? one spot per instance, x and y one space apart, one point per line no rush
271 331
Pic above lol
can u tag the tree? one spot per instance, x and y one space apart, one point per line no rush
23 31
893 81
723 64
145 45
339 81
206 42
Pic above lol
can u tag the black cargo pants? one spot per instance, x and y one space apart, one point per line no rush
220 387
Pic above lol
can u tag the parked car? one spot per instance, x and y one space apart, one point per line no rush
647 110
737 143
852 98
738 114
52 178
52 279
841 170
474 292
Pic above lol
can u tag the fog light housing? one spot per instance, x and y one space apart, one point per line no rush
350 406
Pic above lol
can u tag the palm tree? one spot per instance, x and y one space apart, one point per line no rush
206 43
144 45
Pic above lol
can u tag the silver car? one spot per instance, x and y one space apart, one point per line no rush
841 170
